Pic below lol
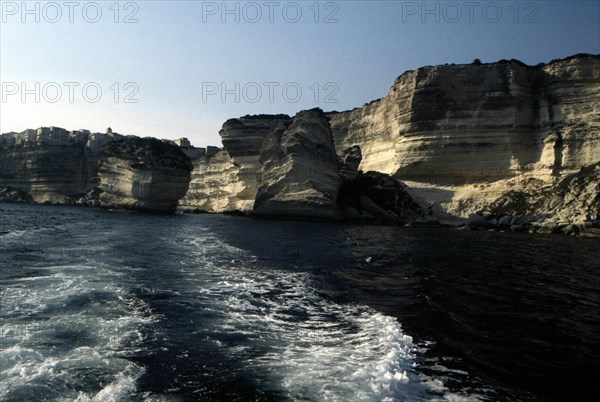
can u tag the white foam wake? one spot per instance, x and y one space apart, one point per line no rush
63 334
303 345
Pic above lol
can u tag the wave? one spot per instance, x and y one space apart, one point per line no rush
67 336
301 344
73 328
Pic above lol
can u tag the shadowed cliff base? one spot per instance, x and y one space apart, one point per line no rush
143 174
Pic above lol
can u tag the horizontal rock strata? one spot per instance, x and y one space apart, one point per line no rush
143 174
461 123
50 164
460 136
299 174
483 144
216 186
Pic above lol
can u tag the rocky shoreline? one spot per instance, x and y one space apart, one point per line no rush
498 146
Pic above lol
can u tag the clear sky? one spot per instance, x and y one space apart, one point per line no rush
174 69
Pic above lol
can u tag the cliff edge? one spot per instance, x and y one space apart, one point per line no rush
143 174
502 145
457 138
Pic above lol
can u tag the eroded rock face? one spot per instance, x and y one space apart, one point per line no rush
228 180
574 199
572 89
501 138
143 174
299 174
350 162
9 195
375 196
466 137
461 123
459 136
243 139
216 186
50 164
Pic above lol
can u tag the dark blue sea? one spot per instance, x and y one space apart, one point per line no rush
122 306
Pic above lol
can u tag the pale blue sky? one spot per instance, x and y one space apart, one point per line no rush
177 49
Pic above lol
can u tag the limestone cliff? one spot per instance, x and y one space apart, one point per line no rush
570 205
216 186
228 180
298 177
458 140
459 136
50 164
53 165
377 197
243 139
456 124
462 136
289 169
143 174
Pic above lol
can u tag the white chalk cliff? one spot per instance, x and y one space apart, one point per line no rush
216 186
462 123
143 174
488 144
460 136
299 171
51 164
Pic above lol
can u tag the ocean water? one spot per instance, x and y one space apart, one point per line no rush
109 306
